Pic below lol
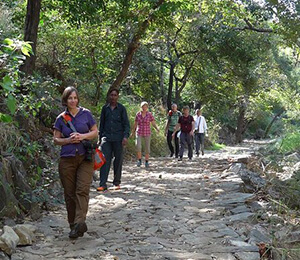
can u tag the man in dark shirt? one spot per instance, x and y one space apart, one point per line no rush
113 132
187 125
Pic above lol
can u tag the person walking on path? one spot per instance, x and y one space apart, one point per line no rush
114 131
187 125
142 128
173 117
200 129
71 128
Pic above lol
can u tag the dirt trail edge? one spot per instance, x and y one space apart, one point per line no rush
173 210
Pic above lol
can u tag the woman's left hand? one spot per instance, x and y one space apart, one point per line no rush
77 136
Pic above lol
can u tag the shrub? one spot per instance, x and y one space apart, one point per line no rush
290 142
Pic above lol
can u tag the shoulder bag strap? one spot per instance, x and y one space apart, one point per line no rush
68 121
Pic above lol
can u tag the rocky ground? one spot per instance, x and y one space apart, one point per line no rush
173 210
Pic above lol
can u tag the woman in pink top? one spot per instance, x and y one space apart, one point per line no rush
141 127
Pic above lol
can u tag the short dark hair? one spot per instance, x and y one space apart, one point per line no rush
67 92
113 89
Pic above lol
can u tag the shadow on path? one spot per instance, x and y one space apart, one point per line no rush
175 210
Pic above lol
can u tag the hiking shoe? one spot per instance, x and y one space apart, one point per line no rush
102 189
78 230
147 164
81 228
139 163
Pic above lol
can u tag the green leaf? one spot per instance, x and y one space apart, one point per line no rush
7 83
26 49
11 104
8 41
5 118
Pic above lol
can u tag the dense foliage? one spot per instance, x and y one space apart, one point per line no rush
238 60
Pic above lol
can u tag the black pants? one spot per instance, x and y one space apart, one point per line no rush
169 140
110 150
199 138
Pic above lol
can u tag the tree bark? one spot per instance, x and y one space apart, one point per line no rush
133 46
241 122
177 94
31 33
161 83
170 88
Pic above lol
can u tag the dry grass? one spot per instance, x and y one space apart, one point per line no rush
10 138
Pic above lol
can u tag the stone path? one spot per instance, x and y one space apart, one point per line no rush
174 210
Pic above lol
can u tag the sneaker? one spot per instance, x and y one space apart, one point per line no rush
190 159
102 189
147 164
171 155
202 152
180 159
197 154
139 163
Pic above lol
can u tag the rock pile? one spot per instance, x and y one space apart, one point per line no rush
11 237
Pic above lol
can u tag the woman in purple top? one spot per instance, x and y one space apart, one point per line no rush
141 127
75 164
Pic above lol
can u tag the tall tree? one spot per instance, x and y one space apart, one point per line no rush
31 33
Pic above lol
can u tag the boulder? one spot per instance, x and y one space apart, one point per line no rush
8 202
25 234
16 177
8 240
253 181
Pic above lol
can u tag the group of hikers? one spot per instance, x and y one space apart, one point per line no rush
75 128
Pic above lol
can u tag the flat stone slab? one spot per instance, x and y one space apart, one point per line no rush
240 217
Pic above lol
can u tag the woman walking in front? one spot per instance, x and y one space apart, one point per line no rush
72 128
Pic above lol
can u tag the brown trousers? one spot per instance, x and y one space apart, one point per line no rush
76 176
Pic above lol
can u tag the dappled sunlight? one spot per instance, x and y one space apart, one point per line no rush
173 210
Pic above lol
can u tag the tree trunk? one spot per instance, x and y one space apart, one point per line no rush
31 33
271 123
161 83
241 122
132 47
177 94
170 89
